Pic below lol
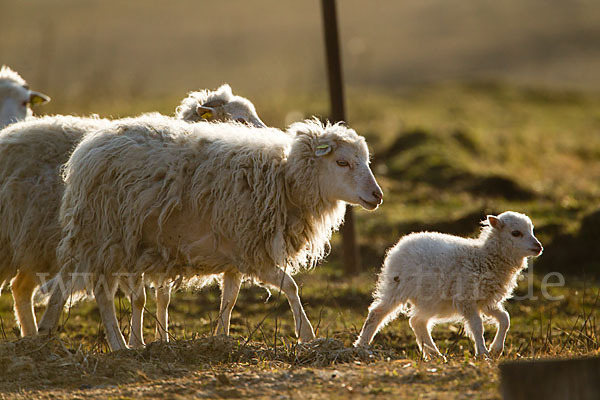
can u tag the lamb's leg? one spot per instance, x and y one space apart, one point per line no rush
163 298
422 332
138 302
499 314
231 287
378 313
23 286
281 280
475 326
105 298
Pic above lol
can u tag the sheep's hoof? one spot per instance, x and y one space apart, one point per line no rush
136 345
431 356
306 338
496 353
483 356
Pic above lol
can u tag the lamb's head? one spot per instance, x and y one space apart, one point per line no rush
218 105
16 97
340 159
515 231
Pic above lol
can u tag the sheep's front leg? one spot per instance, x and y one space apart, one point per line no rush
104 292
281 280
163 298
475 326
230 290
22 287
501 316
56 303
138 303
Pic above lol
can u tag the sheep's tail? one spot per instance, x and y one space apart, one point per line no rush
75 286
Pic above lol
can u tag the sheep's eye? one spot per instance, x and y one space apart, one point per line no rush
342 163
242 120
24 104
516 233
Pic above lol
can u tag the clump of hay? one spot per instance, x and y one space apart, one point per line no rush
323 352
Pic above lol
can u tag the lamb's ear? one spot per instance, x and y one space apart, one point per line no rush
495 222
38 98
323 149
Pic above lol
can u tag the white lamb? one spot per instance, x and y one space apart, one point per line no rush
31 155
155 195
434 277
16 97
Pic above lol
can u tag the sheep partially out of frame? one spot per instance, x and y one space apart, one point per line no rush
31 155
155 195
434 277
16 97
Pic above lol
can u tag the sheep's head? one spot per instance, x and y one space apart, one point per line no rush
341 159
219 105
16 97
516 232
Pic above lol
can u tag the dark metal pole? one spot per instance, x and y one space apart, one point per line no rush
336 98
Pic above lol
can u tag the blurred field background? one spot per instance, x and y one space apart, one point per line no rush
469 108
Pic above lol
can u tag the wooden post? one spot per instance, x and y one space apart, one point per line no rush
336 99
577 378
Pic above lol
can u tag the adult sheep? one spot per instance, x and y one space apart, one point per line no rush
16 97
445 278
155 195
31 155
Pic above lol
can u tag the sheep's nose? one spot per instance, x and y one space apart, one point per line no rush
378 194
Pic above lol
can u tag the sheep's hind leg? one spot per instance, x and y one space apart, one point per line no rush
231 287
163 298
425 342
138 303
500 315
22 287
105 298
281 280
378 313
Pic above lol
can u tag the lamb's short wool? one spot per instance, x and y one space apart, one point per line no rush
434 277
158 196
16 97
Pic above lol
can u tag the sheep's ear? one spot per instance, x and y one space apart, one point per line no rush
38 98
206 113
495 222
323 149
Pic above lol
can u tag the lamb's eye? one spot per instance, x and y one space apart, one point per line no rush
24 104
516 233
242 120
342 163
